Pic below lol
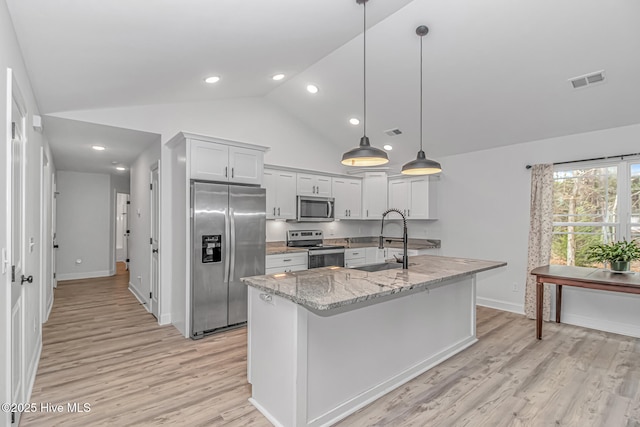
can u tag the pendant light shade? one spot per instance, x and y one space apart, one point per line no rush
421 165
365 154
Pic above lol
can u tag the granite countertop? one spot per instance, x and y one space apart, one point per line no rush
275 248
329 288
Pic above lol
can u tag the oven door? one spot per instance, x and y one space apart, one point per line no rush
313 209
326 258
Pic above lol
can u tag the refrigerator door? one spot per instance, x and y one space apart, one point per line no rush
210 257
247 209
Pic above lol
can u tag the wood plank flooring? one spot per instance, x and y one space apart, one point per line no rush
103 348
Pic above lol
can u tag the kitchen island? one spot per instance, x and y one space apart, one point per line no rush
325 342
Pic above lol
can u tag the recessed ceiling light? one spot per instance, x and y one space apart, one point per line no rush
278 77
354 121
212 79
388 147
312 89
120 168
98 147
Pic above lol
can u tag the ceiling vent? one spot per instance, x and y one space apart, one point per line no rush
393 132
587 79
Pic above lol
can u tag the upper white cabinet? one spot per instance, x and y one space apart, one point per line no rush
314 185
374 195
348 197
281 194
212 161
415 196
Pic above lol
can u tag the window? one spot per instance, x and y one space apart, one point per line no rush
599 203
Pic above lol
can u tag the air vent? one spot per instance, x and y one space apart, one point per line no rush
587 79
393 132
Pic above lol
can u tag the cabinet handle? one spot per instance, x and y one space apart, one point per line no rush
346 212
266 297
278 211
356 253
408 212
367 213
349 212
226 169
232 172
286 260
274 211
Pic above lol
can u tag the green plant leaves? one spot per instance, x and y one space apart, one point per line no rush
615 251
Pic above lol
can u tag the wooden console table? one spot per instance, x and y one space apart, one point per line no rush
582 277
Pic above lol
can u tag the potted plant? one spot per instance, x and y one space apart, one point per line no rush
618 254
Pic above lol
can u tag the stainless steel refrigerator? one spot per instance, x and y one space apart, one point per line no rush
228 235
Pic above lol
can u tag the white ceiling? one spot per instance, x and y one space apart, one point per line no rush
496 72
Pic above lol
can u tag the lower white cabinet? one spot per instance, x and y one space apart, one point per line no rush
284 263
355 257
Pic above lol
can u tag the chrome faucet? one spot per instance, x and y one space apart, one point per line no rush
405 258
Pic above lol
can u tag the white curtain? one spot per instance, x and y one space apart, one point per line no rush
540 232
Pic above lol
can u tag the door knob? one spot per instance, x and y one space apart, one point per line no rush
26 279
55 246
155 251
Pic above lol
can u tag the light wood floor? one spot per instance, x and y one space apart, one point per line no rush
101 347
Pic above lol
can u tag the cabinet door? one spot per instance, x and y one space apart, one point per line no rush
306 185
323 186
209 161
340 193
374 195
418 197
270 184
354 198
374 255
245 165
398 195
286 195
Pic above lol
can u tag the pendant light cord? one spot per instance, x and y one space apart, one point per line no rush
364 66
421 115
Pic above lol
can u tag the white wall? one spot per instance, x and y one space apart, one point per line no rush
84 225
252 120
140 224
484 211
11 57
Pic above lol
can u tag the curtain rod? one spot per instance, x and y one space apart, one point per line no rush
622 156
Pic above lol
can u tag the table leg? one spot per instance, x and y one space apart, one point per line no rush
539 300
558 302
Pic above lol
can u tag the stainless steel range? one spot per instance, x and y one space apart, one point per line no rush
319 254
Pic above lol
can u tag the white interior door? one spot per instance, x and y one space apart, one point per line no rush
155 238
46 285
18 139
122 231
54 194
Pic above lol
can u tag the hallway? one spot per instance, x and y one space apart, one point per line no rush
101 348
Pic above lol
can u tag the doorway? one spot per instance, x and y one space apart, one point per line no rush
155 238
122 228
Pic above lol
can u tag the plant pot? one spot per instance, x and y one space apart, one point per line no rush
620 265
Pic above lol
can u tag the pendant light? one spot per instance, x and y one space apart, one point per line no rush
421 165
365 154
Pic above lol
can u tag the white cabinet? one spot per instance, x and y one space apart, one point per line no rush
375 255
314 185
212 161
374 195
281 194
348 197
415 196
284 263
355 257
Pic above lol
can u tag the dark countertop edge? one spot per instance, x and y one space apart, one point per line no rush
391 291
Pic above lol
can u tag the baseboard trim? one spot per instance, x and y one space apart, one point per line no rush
600 324
33 368
136 293
500 305
84 275
165 319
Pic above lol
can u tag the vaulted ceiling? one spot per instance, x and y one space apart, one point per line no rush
496 72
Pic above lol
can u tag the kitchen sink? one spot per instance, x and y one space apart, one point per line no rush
379 267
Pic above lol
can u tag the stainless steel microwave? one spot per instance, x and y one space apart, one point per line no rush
315 209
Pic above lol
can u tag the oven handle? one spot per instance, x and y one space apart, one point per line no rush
330 208
326 252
